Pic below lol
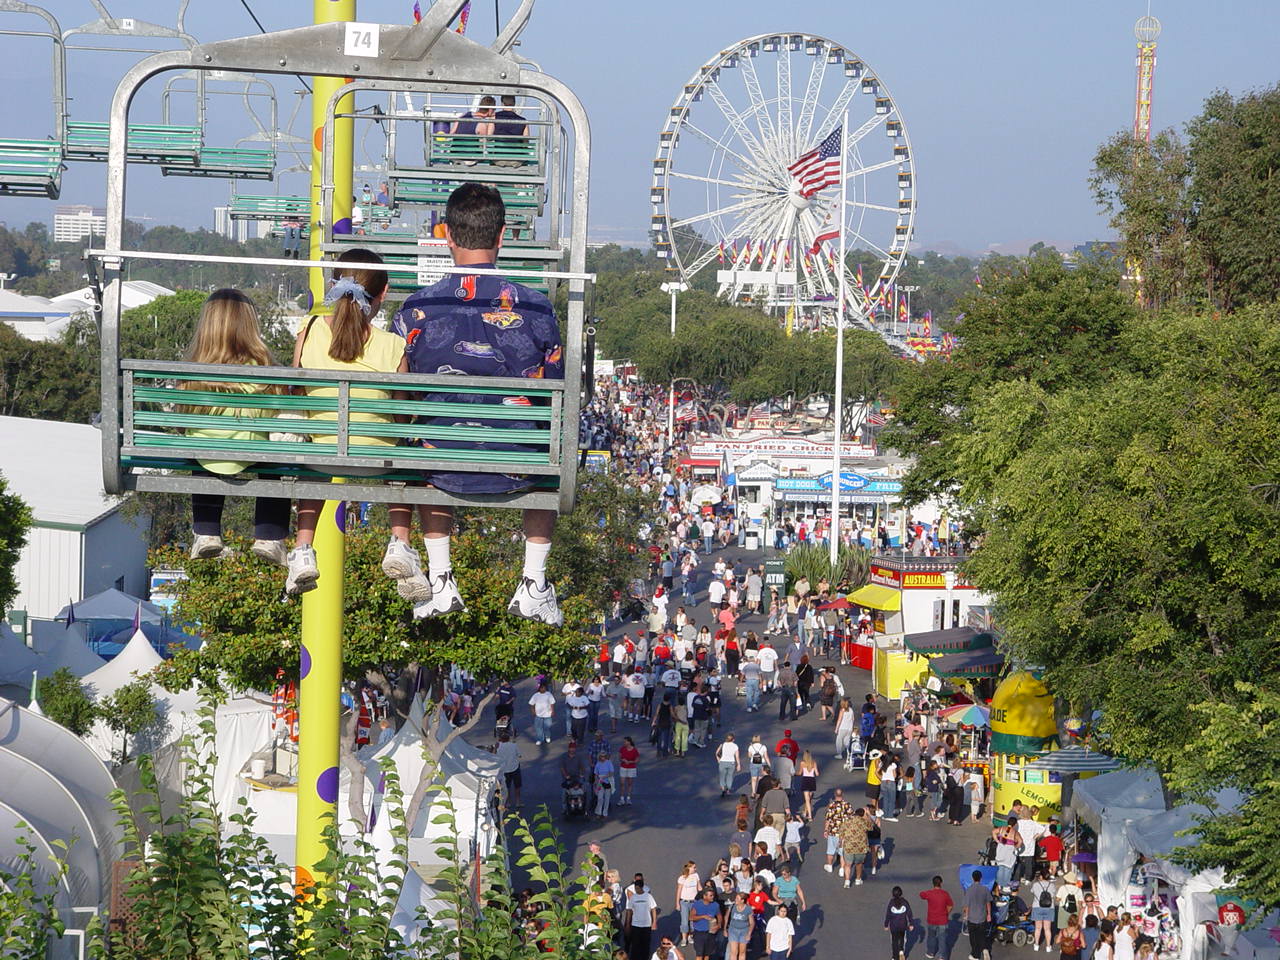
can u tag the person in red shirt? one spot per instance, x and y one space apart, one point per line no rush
937 918
787 747
628 758
661 651
759 898
1051 848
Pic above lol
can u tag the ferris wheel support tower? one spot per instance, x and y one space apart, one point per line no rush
1146 31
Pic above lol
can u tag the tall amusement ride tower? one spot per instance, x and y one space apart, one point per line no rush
1146 31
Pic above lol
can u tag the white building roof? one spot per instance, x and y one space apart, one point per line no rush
135 293
56 468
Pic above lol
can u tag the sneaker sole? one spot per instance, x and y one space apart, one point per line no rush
303 584
514 610
207 553
270 557
399 568
414 591
457 606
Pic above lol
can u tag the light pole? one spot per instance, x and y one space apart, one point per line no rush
673 287
908 291
837 397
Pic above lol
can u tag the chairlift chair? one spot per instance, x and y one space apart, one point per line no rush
146 415
33 168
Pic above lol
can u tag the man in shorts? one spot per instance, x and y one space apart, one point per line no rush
484 326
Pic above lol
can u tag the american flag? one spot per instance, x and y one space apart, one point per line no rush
820 167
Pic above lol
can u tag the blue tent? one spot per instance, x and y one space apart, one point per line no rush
164 638
112 606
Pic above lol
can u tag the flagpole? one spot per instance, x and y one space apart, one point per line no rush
838 397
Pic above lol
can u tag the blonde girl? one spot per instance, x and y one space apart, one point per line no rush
227 333
347 340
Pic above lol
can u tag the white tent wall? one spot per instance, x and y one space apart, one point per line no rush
177 713
41 867
241 727
1107 803
64 756
136 659
54 813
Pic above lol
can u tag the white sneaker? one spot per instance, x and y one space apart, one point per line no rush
858 882
534 604
303 571
272 551
826 867
206 547
445 598
402 564
846 884
891 819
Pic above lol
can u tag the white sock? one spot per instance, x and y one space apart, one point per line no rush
535 562
438 562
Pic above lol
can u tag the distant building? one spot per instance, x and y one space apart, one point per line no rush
237 230
75 221
80 543
133 293
34 317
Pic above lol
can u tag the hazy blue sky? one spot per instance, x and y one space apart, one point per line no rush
1005 102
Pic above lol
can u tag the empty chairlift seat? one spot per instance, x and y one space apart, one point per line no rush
234 163
273 208
31 168
163 143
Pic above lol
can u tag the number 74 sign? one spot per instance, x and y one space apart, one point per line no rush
362 39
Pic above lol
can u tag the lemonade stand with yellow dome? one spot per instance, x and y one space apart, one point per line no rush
1023 728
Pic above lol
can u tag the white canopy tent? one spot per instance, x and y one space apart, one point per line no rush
17 660
137 659
1107 802
60 646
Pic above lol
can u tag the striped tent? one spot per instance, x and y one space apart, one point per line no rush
1074 759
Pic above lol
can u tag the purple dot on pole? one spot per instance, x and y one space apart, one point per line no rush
304 664
340 516
327 785
311 300
342 226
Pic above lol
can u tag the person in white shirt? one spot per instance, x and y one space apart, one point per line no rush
620 656
708 532
640 915
769 834
779 934
544 708
595 696
660 602
768 660
508 755
730 763
635 697
579 707
614 695
715 593
1030 831
567 691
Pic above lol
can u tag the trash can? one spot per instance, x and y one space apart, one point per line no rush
753 540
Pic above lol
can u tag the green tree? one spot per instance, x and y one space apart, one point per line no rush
1235 184
1129 540
63 699
1146 189
129 711
15 523
44 380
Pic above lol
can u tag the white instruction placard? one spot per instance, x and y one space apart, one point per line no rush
362 39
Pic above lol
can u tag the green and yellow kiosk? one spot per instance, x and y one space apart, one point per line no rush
1023 728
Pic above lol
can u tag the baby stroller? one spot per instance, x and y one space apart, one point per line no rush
575 798
855 758
1011 921
501 725
636 604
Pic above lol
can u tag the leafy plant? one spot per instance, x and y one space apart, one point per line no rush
814 562
130 711
28 908
63 699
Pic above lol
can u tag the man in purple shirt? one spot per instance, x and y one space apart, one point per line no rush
481 325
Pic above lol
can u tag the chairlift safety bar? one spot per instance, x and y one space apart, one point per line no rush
121 255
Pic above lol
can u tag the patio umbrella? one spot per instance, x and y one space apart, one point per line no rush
1074 759
838 604
967 715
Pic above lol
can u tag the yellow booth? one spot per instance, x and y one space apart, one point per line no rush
1022 728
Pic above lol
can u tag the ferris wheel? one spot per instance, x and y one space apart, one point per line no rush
727 197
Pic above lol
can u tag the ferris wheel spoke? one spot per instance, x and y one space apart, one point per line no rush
723 211
745 134
804 127
786 130
840 105
742 162
736 184
758 107
875 120
872 244
702 260
863 171
863 204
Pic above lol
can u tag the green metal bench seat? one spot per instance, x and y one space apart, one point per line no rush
163 143
234 163
275 208
523 201
159 416
31 168
470 150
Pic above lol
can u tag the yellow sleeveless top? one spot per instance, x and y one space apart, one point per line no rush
382 354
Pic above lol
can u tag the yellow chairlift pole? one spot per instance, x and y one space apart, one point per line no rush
320 679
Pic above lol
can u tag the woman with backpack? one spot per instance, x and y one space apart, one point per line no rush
1071 939
1042 911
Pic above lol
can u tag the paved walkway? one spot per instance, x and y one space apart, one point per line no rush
678 815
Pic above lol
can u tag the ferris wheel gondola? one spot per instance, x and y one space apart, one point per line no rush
724 198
